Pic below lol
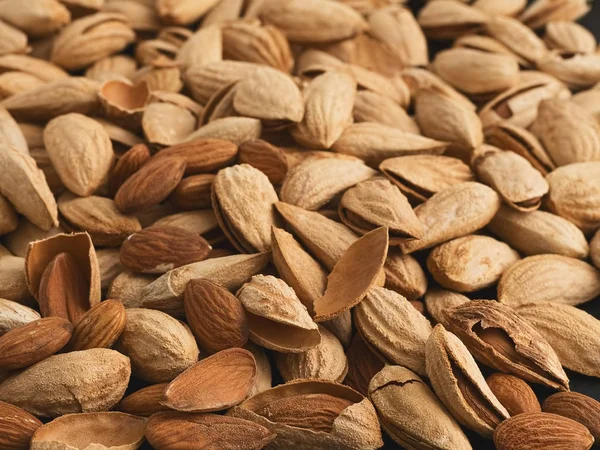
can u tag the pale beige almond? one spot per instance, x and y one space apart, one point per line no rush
109 265
470 263
201 221
203 47
404 274
8 217
487 44
570 36
570 331
389 323
374 107
448 19
574 194
13 315
159 346
25 187
11 134
276 318
315 181
474 203
37 17
80 150
411 413
418 78
264 376
595 249
549 278
589 101
578 71
13 39
540 12
519 184
13 283
234 129
421 176
142 15
329 100
516 36
374 142
439 302
29 65
122 65
460 385
539 232
183 12
326 239
167 124
128 286
229 271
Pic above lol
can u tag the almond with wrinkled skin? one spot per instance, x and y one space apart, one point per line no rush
329 100
228 271
14 315
102 430
202 155
542 430
411 413
276 318
80 150
100 327
574 194
514 394
151 184
215 316
265 157
404 274
160 347
193 192
30 343
439 302
144 402
549 278
470 263
213 384
375 203
90 39
245 216
357 271
86 381
99 217
175 429
421 176
570 331
373 107
539 232
18 427
326 361
375 143
326 239
459 384
576 406
498 337
30 195
315 181
355 426
475 204
158 249
389 323
304 21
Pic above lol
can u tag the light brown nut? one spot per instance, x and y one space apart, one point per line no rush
18 427
404 274
514 394
363 364
183 12
439 303
144 402
448 19
265 157
570 36
38 18
202 155
85 381
518 37
100 327
213 384
13 315
576 406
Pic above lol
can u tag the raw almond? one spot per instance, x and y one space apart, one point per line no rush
100 327
144 402
575 406
514 394
18 427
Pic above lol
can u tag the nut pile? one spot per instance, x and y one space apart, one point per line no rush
247 224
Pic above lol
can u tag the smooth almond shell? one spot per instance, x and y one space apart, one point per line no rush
341 295
100 327
215 383
86 381
100 430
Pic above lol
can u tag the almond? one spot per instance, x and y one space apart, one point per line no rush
18 426
265 157
159 249
203 154
144 402
127 165
100 327
193 192
216 317
215 383
514 394
151 184
14 315
576 406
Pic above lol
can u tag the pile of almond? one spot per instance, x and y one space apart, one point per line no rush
288 224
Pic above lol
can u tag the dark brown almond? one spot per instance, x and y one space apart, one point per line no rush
213 384
265 157
30 343
193 192
514 394
159 249
578 407
150 185
542 431
184 431
144 402
17 427
363 364
131 161
215 316
100 327
63 291
202 155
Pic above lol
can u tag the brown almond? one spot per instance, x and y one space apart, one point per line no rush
514 393
265 157
100 327
576 406
127 165
213 384
144 402
193 192
215 316
18 426
202 155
